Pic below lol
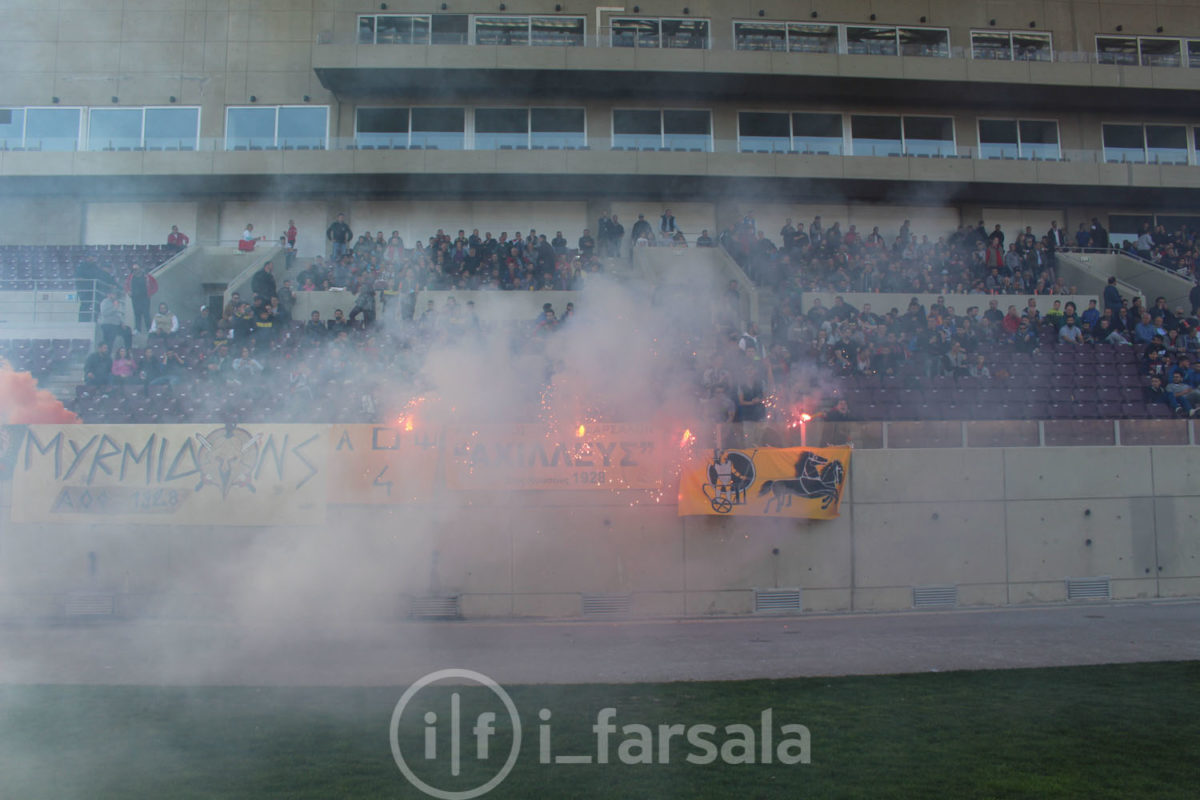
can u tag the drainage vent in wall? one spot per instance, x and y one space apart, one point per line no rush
935 596
1089 588
601 604
90 604
436 607
767 601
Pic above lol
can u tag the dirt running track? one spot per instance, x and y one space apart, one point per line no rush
190 653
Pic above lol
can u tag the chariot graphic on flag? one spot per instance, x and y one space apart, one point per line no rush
800 482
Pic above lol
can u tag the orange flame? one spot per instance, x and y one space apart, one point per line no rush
687 438
580 431
805 417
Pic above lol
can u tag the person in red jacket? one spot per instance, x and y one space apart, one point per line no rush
140 286
177 240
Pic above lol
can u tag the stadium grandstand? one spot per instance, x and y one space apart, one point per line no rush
936 166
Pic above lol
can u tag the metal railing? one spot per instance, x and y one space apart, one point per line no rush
459 141
725 41
54 300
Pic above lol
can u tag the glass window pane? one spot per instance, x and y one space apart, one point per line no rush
1193 48
818 133
1161 53
381 127
989 46
1116 50
1032 47
502 30
172 128
113 128
557 127
998 138
366 30
760 36
925 42
449 29
1124 143
812 38
871 41
249 127
875 135
303 126
929 135
688 34
760 130
556 31
52 128
439 128
637 129
688 130
1166 144
393 30
496 127
1039 139
635 33
12 127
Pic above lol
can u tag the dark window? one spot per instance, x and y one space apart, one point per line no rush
382 127
998 139
875 135
501 127
449 29
929 136
441 128
760 130
818 133
1124 143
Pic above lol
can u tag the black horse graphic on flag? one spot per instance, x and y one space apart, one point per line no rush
817 477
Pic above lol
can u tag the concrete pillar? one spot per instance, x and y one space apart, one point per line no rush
208 223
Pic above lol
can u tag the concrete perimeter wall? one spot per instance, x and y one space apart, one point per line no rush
1006 525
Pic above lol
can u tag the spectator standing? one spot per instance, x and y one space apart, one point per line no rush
641 230
140 287
112 321
263 282
340 235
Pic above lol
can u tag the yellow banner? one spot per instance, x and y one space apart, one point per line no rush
181 474
802 482
517 457
381 464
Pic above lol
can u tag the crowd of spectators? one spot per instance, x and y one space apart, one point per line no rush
255 357
969 260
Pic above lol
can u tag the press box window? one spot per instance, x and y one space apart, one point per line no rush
1011 46
394 29
672 130
818 133
876 136
933 136
52 128
557 127
689 34
1140 144
760 131
439 128
381 127
497 128
12 128
999 138
289 127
